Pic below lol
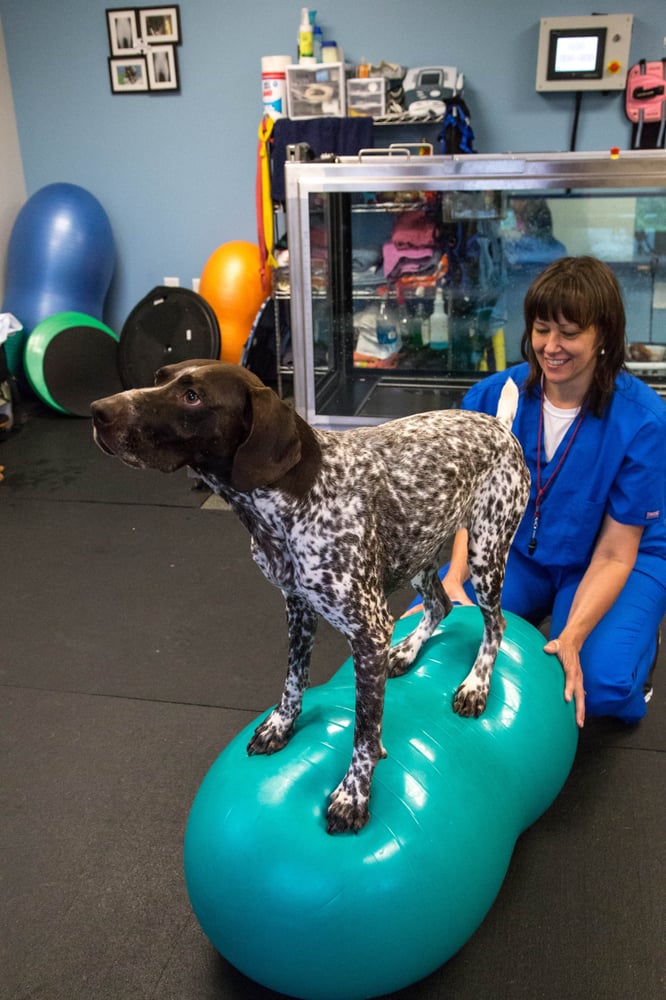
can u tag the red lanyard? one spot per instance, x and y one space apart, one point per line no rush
541 490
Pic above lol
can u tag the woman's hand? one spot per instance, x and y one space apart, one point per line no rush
458 573
612 561
567 654
453 586
455 591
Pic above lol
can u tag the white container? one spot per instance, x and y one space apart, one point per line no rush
366 96
274 85
316 91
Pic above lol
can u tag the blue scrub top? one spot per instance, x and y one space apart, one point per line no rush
616 465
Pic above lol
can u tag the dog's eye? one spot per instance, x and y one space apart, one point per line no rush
191 397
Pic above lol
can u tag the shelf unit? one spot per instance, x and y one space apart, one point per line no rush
614 207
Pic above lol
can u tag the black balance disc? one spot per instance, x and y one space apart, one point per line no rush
169 325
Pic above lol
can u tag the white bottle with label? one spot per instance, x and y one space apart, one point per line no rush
439 324
305 36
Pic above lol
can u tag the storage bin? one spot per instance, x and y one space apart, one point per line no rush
316 91
366 96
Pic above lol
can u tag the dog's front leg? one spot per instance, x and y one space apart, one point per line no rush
274 732
348 806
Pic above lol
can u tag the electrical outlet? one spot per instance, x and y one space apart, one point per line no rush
172 282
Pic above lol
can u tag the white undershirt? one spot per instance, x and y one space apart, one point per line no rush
556 422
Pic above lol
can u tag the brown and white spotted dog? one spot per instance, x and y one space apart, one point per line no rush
338 520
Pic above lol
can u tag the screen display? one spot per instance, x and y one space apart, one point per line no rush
431 78
576 54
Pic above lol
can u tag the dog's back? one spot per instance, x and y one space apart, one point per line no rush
423 476
397 492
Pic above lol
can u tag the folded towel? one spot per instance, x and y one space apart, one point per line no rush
341 136
413 229
407 261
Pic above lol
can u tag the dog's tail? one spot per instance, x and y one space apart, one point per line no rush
508 404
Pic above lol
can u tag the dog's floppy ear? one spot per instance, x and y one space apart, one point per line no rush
272 447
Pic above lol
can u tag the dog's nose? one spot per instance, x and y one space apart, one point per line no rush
102 411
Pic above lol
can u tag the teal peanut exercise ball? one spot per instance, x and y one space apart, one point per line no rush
352 916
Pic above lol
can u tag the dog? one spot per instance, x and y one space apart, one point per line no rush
339 520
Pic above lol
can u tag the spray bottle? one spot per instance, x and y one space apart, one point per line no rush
439 324
305 36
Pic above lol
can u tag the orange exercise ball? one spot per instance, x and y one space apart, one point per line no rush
231 283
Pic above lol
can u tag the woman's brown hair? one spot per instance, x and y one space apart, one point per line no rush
584 291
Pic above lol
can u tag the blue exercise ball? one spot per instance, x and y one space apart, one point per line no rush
353 916
60 258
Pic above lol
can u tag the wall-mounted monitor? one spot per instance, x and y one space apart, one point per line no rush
584 53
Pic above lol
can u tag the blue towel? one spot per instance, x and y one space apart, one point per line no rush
341 136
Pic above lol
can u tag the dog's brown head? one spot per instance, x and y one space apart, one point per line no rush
213 416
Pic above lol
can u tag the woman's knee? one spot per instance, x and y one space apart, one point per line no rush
617 655
621 700
614 672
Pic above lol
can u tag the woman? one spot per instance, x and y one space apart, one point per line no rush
591 548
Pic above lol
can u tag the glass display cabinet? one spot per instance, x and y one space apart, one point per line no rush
407 272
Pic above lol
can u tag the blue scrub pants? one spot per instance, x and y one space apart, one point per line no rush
617 655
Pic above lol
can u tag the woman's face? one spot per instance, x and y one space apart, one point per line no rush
567 357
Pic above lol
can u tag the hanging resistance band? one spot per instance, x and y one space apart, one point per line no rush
264 203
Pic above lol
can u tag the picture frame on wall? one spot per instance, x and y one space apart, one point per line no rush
128 74
162 67
123 31
160 25
143 49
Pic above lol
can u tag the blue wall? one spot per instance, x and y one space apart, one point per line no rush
176 173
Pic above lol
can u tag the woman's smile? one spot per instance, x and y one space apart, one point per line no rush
567 356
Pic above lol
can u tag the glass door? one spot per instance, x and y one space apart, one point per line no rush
411 284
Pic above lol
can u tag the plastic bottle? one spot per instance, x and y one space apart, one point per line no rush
317 42
305 36
403 323
329 52
424 323
439 324
387 333
415 331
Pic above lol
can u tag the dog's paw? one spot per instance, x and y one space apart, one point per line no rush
346 814
470 700
270 736
398 667
402 656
